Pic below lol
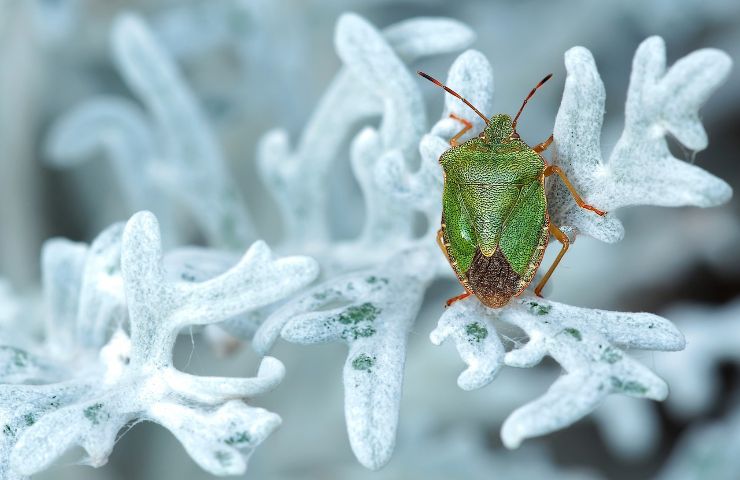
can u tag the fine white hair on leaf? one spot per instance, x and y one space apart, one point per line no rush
133 377
641 169
102 305
296 177
372 61
587 343
575 337
62 266
476 341
372 311
117 305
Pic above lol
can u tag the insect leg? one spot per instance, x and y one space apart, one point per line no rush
553 169
543 146
441 243
563 239
459 297
468 126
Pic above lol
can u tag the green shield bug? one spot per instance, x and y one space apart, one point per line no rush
495 225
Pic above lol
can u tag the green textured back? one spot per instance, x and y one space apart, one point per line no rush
522 232
457 227
493 197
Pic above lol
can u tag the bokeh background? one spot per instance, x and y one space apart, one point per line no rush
257 64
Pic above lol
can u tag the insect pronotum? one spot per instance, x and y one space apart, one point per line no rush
495 224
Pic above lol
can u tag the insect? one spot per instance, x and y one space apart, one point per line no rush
495 224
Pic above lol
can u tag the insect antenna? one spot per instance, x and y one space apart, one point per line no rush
452 92
531 94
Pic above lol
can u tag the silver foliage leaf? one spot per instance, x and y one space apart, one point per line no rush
640 170
372 311
589 344
374 306
295 178
133 378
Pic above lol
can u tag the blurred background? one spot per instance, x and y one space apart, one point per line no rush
256 65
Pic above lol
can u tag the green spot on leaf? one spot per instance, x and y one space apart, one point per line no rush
359 320
188 277
8 430
364 332
29 418
372 280
574 332
611 355
631 387
363 362
539 309
224 458
359 313
95 413
476 332
238 438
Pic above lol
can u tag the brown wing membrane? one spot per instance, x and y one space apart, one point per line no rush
492 279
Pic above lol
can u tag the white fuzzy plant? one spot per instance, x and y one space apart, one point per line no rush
373 286
114 312
373 310
589 344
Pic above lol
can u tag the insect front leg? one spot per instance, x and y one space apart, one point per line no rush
543 146
565 241
557 170
468 126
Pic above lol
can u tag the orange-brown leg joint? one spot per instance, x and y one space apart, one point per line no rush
543 146
459 297
565 241
557 170
468 126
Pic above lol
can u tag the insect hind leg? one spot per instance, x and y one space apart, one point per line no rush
462 296
565 241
